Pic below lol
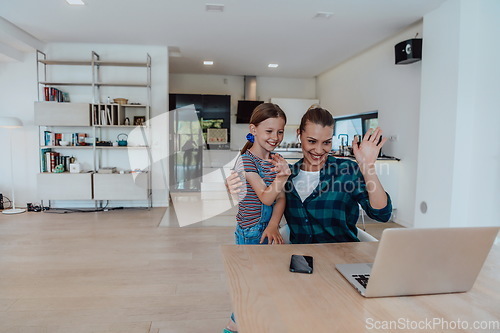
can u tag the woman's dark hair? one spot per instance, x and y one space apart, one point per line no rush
316 115
260 113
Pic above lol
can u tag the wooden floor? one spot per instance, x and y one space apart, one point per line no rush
116 271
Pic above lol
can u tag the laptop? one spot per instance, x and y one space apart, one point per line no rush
422 261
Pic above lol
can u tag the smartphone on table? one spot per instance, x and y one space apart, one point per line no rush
301 264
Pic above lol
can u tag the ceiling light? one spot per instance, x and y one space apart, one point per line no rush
212 7
76 2
323 15
208 62
272 65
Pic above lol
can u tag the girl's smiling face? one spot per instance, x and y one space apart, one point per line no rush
316 143
269 133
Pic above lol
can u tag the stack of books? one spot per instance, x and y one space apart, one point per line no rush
55 95
74 139
50 159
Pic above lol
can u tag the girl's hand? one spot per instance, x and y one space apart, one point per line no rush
272 234
367 152
234 183
280 166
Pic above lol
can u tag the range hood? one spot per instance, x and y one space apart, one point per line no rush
249 102
250 86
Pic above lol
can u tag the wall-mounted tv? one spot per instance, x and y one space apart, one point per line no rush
245 109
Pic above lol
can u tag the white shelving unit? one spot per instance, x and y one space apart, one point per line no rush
101 123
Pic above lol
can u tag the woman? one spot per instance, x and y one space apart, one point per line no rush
323 192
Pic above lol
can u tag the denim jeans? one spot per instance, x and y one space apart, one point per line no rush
252 235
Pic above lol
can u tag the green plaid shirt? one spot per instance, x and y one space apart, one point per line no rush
330 213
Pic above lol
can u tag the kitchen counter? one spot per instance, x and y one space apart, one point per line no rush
381 158
295 154
279 149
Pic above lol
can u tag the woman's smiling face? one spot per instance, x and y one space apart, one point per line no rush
316 145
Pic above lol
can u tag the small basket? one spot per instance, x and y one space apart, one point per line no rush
120 101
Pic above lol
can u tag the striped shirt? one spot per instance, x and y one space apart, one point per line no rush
249 207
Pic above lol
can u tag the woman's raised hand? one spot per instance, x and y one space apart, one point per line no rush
281 166
367 152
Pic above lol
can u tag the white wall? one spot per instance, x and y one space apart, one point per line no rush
267 88
371 81
19 91
17 94
459 156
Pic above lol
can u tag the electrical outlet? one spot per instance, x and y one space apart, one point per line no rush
394 138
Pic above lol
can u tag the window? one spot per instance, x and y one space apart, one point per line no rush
347 127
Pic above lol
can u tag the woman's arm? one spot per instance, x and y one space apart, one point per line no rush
272 232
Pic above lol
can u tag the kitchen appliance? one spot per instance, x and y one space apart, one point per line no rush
122 139
245 109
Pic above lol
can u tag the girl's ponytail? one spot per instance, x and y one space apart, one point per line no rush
247 146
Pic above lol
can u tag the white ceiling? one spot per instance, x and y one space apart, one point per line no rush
242 40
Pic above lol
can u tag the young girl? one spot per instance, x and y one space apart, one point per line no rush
265 173
262 202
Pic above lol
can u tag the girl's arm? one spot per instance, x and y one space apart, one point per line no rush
272 232
268 194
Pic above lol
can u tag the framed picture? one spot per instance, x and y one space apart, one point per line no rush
217 136
139 120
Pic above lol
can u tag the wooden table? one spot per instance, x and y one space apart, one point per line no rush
266 297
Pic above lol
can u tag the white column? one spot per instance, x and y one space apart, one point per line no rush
458 174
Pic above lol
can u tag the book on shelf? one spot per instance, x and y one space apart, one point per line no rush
43 159
108 115
54 139
104 115
51 94
65 97
58 138
47 138
81 139
50 159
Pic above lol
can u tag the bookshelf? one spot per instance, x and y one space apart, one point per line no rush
89 131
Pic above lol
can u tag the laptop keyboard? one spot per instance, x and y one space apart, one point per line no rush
362 279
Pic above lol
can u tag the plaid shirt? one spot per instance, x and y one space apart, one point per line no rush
330 213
